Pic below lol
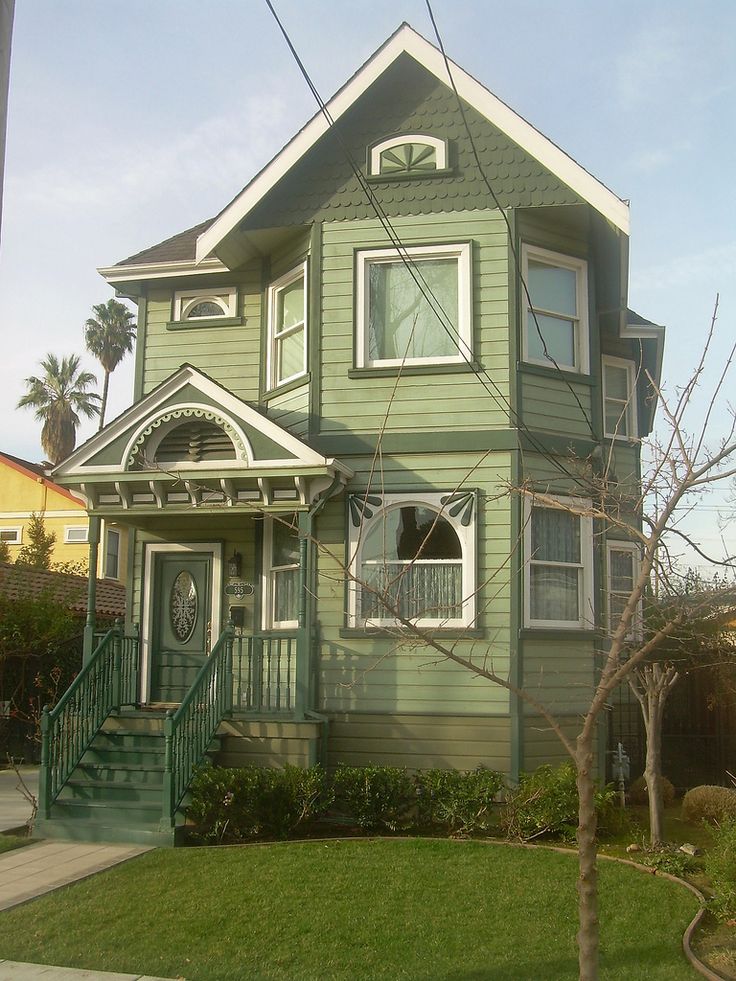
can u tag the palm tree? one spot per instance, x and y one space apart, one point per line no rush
58 397
109 336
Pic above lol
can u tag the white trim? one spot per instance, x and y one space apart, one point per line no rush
18 529
581 325
47 514
298 272
368 257
161 270
617 545
68 529
439 145
267 591
152 549
225 297
586 618
629 412
514 126
227 405
465 534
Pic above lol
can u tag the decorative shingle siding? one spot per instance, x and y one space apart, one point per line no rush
408 99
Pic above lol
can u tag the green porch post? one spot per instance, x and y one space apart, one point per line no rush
89 627
302 701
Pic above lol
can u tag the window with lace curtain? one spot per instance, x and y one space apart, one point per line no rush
413 559
281 573
559 566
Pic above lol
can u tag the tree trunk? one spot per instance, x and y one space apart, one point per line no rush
653 767
588 932
103 404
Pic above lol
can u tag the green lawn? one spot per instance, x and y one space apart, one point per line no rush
12 841
411 909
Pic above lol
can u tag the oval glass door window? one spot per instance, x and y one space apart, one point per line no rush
183 606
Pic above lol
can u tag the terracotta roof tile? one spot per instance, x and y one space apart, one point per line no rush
18 581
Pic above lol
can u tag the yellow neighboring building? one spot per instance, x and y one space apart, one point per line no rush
26 489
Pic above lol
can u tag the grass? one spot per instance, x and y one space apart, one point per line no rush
386 909
8 842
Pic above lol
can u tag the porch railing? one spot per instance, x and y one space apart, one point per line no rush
265 673
107 681
191 728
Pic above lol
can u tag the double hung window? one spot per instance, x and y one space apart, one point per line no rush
413 559
413 307
556 326
287 327
623 571
619 398
112 554
559 564
281 565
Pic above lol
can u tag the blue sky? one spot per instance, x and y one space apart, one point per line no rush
130 121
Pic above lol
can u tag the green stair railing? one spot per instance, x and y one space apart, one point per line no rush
265 669
106 682
189 731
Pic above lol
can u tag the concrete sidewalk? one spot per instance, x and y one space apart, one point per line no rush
15 810
17 971
36 869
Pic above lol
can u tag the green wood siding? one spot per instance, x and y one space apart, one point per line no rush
431 401
419 742
291 410
549 405
559 673
408 99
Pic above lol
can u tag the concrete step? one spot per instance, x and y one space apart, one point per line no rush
106 791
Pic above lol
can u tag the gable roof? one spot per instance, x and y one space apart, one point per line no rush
37 473
25 582
195 250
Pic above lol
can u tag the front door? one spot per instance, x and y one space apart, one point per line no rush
181 622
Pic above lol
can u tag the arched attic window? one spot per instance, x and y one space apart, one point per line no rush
412 155
205 304
415 557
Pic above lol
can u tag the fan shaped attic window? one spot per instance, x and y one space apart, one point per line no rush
205 304
195 442
408 156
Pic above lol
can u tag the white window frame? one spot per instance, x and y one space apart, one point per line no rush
586 618
617 545
581 327
68 531
366 257
437 144
466 535
275 336
267 579
629 411
108 532
18 532
226 298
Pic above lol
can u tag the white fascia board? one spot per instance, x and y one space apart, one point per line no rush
142 413
407 40
161 270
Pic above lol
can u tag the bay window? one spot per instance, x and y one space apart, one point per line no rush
622 568
287 327
281 573
619 398
555 331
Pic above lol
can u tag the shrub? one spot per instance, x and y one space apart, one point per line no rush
711 804
461 803
546 804
375 797
638 793
720 865
237 804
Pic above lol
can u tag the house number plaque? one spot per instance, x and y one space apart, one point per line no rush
239 588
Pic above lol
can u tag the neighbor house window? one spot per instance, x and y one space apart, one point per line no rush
205 304
413 307
622 570
619 398
559 562
76 534
412 155
556 319
287 327
112 554
12 536
413 559
281 568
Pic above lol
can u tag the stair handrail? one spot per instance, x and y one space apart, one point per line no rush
104 683
189 730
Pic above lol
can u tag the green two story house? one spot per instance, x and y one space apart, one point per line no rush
418 306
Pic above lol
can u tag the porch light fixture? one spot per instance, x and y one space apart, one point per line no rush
234 565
